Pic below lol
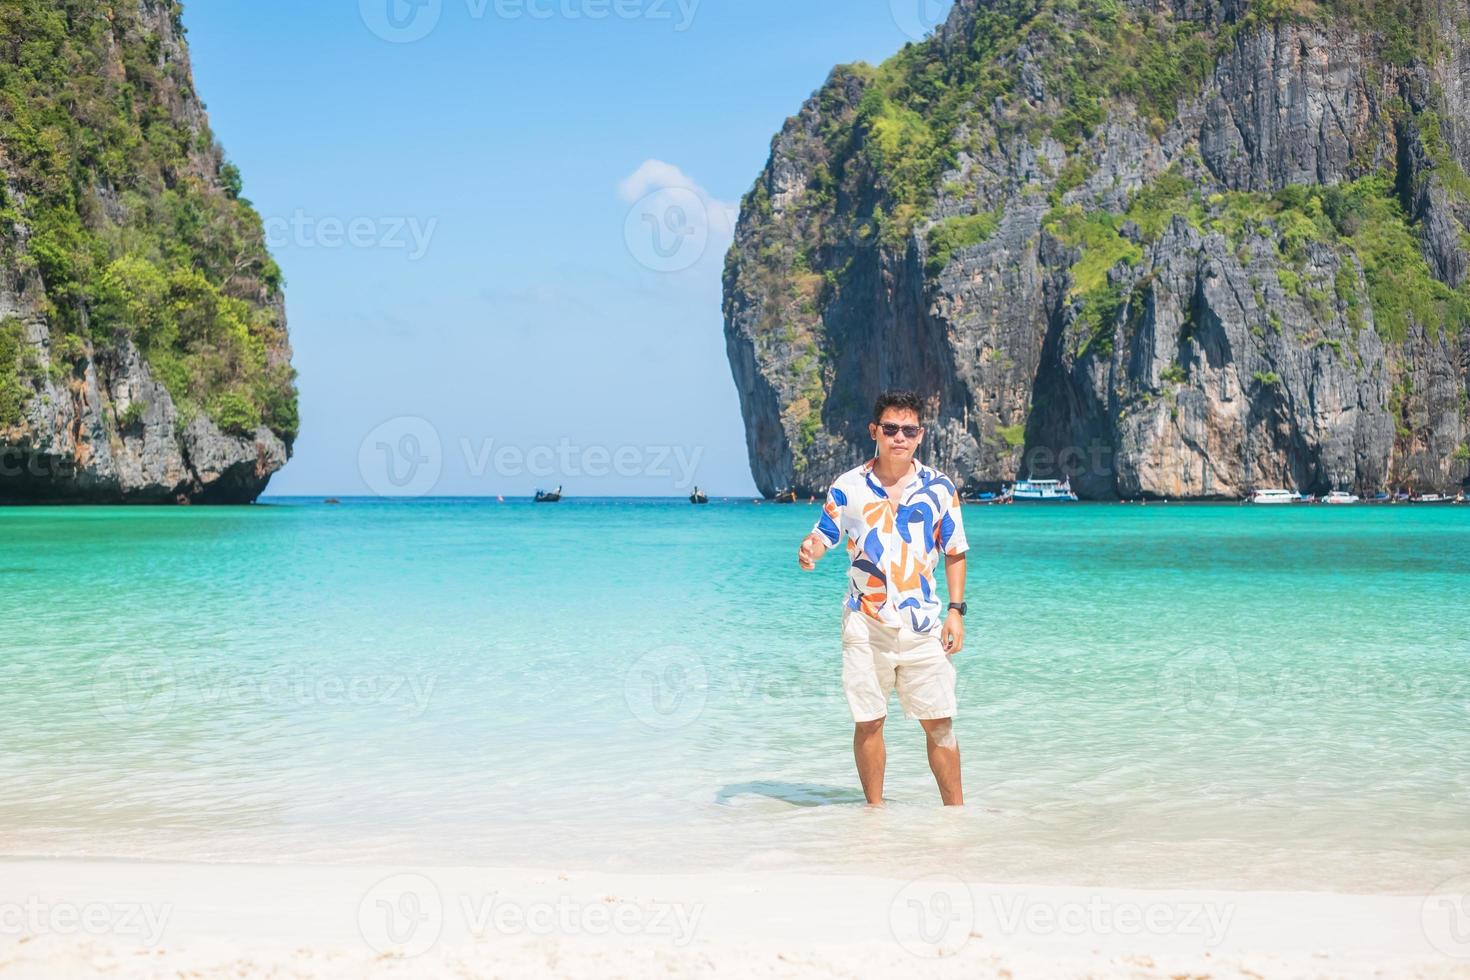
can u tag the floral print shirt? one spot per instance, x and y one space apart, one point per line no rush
894 542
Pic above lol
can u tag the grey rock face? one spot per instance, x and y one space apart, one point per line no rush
1208 396
107 432
1229 366
1292 105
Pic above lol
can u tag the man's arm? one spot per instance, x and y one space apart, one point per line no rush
813 547
826 535
954 576
953 634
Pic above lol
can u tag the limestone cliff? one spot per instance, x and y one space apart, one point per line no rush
1170 248
143 347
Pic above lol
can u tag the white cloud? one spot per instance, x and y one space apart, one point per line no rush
657 175
654 175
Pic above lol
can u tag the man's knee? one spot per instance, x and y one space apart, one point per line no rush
941 732
867 728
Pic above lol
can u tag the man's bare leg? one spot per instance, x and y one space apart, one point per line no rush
872 758
944 760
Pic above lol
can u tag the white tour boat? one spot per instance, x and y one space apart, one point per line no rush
1341 497
1274 497
1046 490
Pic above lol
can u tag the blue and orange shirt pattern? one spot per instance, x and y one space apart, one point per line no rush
894 544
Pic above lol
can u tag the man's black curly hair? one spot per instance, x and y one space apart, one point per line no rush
898 399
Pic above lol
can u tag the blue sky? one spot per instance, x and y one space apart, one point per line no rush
464 196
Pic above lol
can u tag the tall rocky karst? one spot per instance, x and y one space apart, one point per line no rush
143 347
1171 248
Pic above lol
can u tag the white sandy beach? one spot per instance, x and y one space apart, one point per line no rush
135 919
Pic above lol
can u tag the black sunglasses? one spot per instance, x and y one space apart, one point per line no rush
891 429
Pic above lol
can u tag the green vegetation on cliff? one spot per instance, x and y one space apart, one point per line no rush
922 108
1100 248
115 194
12 392
1406 28
1361 218
920 104
961 231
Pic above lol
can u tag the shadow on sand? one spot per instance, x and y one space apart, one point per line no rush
797 794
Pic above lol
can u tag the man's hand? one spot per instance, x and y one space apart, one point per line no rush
811 551
952 633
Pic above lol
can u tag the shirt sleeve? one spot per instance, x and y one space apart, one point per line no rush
951 529
829 525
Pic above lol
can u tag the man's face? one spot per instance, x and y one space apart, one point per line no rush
906 435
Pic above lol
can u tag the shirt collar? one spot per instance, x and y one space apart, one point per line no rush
916 474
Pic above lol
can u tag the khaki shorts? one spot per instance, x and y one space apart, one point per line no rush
878 659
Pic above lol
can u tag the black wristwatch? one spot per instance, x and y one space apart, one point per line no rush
960 607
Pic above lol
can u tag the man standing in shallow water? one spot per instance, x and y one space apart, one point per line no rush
898 516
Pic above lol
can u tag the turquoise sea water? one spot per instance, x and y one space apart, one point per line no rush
1167 695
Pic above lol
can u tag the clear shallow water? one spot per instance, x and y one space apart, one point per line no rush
1161 695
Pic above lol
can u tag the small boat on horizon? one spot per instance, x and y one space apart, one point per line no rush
545 497
1275 496
698 497
1047 491
787 496
1432 498
1340 497
990 498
